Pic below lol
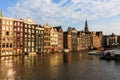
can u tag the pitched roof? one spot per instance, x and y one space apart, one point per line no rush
59 28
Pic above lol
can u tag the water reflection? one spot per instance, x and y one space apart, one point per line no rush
73 66
7 69
67 57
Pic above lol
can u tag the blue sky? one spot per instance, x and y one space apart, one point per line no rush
102 15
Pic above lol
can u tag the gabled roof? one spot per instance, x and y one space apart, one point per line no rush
59 28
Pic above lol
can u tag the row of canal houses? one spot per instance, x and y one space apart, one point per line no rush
20 36
82 40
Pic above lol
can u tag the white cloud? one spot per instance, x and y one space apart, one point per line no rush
65 12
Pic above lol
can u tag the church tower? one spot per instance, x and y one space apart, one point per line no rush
86 27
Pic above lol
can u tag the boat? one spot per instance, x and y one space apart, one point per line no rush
111 54
94 53
66 50
32 53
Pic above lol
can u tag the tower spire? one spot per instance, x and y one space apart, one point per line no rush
86 27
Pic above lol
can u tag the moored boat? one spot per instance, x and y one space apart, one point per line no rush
66 50
94 53
111 54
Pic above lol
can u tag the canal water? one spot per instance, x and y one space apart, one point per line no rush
74 66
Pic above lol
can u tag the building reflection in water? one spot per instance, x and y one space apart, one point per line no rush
7 68
58 67
66 57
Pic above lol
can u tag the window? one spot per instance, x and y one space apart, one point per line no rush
21 34
3 33
32 43
18 34
7 45
14 34
10 22
14 29
25 30
32 36
32 26
7 39
7 28
18 23
29 36
7 33
15 23
25 26
29 31
7 22
29 26
21 46
21 29
32 49
32 31
36 31
11 39
3 39
18 29
3 28
11 28
10 44
25 49
3 45
21 24
11 33
29 44
25 35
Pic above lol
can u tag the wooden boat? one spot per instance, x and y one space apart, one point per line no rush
94 53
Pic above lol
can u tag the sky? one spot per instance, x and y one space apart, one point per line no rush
102 15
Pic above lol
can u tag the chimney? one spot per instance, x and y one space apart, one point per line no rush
1 13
